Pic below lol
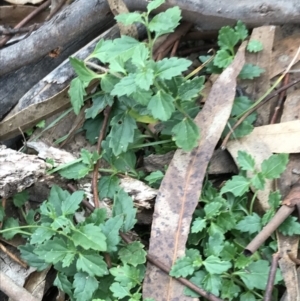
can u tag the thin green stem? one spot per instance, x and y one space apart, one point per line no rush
150 144
252 203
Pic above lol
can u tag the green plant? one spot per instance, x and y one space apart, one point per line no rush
214 259
139 90
228 39
77 249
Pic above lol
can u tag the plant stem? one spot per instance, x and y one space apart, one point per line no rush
252 203
150 144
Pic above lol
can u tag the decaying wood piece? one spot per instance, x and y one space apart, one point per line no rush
18 171
49 95
181 187
207 14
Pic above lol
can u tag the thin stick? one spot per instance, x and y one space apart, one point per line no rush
26 20
96 167
272 274
13 256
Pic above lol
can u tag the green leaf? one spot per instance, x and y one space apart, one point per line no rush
20 198
126 86
63 223
212 283
241 30
102 50
90 237
71 204
13 224
198 225
56 197
84 73
250 71
127 275
290 226
212 209
274 199
229 251
197 279
133 254
120 291
240 105
258 181
250 224
75 171
215 265
144 79
154 177
154 4
243 129
223 58
92 128
165 22
124 48
84 286
41 234
255 46
63 283
129 18
2 212
93 264
227 38
100 102
140 56
274 166
161 105
256 275
27 254
108 186
183 267
186 134
226 221
245 161
123 205
77 93
238 186
108 82
97 217
142 97
170 67
229 290
111 230
55 250
248 296
215 245
191 88
122 133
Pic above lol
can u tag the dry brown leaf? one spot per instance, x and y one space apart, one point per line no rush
20 2
291 110
181 187
119 7
284 51
31 115
258 86
279 138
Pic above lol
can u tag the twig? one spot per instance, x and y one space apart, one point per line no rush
272 274
14 291
26 20
275 93
180 31
175 47
280 99
13 31
13 256
288 206
293 258
96 167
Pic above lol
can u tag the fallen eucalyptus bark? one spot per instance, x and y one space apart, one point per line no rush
206 13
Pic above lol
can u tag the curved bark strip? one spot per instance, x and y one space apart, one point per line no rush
207 14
